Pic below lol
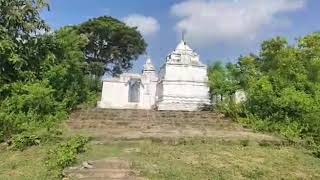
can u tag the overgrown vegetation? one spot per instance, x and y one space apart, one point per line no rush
64 155
45 161
282 85
44 74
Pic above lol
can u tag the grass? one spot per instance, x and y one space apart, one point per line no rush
31 162
187 159
218 160
28 164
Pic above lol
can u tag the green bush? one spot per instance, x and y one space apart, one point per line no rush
22 141
316 151
27 139
291 130
282 85
50 136
65 154
231 109
29 105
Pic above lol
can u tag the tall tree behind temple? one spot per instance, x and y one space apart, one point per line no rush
112 45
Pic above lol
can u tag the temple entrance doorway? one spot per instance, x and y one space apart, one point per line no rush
134 91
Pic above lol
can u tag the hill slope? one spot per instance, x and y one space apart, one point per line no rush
184 145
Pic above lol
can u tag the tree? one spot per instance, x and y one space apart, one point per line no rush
67 69
42 76
21 18
222 80
310 55
269 52
19 23
282 84
248 70
112 45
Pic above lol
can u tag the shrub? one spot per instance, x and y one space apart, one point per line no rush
291 130
316 151
22 141
50 136
29 104
231 109
64 155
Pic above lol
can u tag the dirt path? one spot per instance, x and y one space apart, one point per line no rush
108 169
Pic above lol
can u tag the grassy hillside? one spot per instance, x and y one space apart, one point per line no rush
201 159
158 147
191 158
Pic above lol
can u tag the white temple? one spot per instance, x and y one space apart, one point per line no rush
181 85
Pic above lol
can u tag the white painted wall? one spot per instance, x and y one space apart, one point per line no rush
184 87
115 92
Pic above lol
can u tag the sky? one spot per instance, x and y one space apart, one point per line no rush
218 30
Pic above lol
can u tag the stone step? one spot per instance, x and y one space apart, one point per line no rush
101 173
146 113
102 169
90 116
123 122
111 164
164 121
138 125
93 116
156 114
139 129
127 178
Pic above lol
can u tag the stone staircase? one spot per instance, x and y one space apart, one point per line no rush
110 124
106 118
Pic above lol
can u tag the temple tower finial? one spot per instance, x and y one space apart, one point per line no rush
183 33
148 66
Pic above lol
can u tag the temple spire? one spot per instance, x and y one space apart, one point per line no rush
183 33
148 66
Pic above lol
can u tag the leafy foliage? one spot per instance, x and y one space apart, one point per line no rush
222 80
282 86
64 154
43 76
22 141
40 137
19 23
112 45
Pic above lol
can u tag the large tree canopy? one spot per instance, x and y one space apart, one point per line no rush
112 45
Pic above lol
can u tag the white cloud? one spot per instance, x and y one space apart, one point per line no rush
214 21
148 26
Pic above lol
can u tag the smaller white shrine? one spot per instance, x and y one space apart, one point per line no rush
131 91
181 85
